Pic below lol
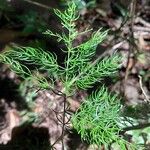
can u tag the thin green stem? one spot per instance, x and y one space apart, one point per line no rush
69 46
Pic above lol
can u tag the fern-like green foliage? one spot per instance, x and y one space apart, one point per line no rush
80 71
34 56
97 118
98 115
18 68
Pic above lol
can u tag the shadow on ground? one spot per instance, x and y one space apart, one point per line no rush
27 137
9 92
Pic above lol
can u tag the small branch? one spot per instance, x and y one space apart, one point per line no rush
38 4
131 49
141 33
63 121
143 91
145 29
112 50
136 127
142 21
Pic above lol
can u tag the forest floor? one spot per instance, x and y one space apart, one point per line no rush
29 120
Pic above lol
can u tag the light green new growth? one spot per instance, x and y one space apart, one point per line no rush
97 117
97 120
80 71
100 122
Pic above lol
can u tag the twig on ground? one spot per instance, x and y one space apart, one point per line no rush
138 28
38 4
136 127
143 91
112 50
141 33
142 21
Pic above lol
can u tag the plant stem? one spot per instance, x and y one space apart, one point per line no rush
63 121
69 46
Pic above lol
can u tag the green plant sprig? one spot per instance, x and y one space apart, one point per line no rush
100 123
78 63
97 118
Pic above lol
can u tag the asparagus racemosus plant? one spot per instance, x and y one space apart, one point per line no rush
97 118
